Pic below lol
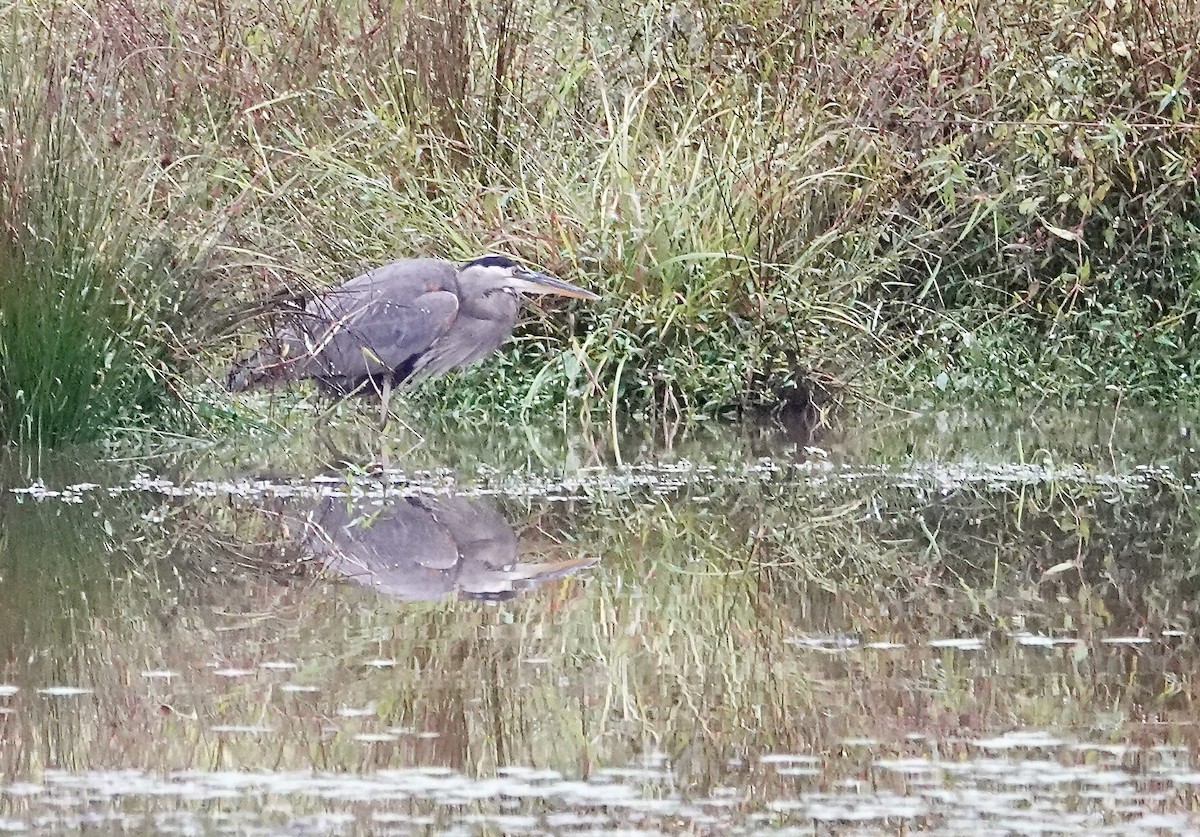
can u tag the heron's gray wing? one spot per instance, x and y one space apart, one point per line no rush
405 279
378 335
378 322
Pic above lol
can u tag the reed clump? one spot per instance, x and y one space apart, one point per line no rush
93 295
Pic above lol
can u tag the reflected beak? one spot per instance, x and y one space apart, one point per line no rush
531 282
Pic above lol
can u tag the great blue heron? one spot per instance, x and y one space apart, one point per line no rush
397 324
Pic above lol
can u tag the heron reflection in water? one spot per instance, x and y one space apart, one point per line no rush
396 325
425 548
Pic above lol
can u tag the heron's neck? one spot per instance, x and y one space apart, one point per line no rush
482 301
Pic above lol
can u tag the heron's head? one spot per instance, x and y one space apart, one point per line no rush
506 274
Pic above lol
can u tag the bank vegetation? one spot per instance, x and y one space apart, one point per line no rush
780 201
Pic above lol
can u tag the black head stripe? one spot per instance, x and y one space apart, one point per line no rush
493 261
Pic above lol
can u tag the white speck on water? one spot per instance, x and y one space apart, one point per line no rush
64 691
967 643
529 774
24 789
376 737
358 712
788 758
1020 738
909 766
1042 641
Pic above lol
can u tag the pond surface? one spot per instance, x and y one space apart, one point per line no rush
950 623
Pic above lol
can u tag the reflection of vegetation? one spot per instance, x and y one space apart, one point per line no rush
67 566
693 637
59 554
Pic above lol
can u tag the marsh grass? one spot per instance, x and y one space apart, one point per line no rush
772 198
94 294
81 304
775 196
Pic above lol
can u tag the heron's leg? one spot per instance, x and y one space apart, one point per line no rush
385 395
386 416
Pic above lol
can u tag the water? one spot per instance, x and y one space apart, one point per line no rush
954 623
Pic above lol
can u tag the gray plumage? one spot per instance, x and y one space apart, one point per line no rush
425 548
397 324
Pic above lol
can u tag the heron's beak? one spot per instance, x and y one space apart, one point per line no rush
532 282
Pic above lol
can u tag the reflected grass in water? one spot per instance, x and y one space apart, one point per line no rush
832 641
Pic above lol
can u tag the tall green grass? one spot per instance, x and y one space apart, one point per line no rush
93 294
717 225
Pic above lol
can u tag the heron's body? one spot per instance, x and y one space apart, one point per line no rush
397 324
